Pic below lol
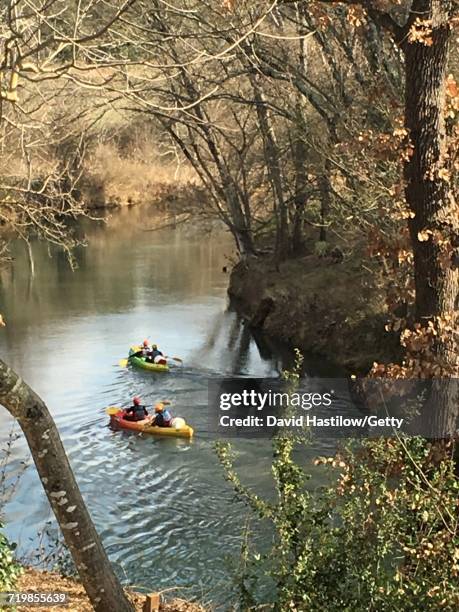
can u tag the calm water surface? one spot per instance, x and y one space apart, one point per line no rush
166 516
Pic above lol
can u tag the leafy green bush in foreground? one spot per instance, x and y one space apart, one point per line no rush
10 570
382 536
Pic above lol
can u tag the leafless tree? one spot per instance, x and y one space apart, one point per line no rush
47 53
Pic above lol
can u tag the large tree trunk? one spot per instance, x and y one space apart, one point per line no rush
429 194
101 584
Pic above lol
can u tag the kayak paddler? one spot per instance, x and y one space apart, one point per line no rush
155 355
136 412
144 350
163 417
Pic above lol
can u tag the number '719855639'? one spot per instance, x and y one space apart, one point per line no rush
33 598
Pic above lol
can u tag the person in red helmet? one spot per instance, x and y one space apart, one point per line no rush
143 351
136 412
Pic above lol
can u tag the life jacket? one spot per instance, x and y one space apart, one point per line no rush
163 419
138 413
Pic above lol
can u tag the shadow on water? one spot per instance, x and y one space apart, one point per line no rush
166 515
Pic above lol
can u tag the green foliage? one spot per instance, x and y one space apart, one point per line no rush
243 578
381 536
292 377
10 570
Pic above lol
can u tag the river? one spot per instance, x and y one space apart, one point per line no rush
166 516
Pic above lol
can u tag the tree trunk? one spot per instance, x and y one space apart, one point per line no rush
240 223
428 191
100 582
272 159
300 155
325 199
428 195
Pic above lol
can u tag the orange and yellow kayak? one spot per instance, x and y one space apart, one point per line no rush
178 429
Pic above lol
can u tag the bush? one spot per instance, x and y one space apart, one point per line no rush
10 570
381 536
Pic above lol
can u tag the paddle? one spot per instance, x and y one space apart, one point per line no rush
112 410
174 358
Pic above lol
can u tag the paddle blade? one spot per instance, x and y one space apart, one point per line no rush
177 359
112 410
123 363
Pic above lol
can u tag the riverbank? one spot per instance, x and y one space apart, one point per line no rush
321 305
133 174
128 167
50 582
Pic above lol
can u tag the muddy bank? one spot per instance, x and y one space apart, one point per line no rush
319 305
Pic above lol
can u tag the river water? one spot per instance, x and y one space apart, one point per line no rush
166 516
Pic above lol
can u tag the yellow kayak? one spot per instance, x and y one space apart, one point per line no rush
178 430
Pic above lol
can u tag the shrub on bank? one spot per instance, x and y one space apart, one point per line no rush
10 570
382 535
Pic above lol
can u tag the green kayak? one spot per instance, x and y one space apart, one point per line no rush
140 362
